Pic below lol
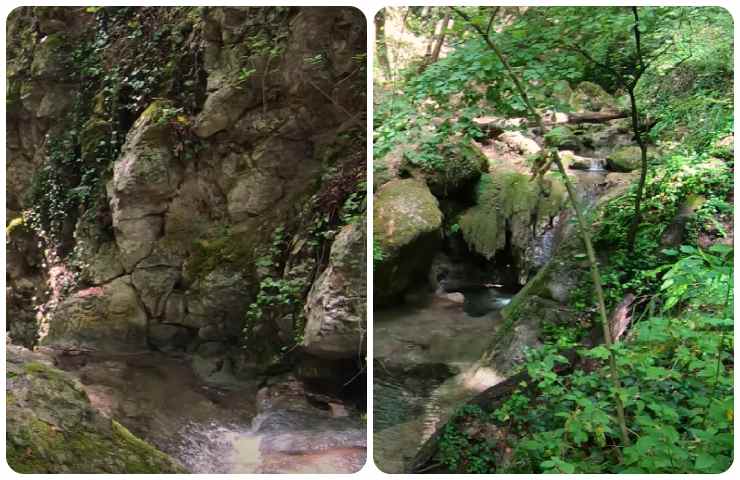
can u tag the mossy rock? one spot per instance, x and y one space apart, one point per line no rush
626 158
462 165
508 200
49 57
407 223
561 93
589 96
94 133
52 428
564 138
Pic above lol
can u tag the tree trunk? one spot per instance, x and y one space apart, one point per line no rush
440 38
381 49
637 217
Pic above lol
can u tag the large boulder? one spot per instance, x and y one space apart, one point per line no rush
462 167
511 211
626 158
336 305
52 428
105 318
520 143
407 223
588 96
563 138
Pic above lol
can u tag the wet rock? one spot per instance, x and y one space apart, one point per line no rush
336 305
577 162
407 223
216 370
455 297
52 428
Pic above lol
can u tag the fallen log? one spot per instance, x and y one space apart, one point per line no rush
595 117
488 400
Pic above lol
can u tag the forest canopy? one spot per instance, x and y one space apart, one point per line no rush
654 393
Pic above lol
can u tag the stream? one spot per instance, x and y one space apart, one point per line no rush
426 350
243 429
423 358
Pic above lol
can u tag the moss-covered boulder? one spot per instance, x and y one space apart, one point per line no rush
509 205
407 223
561 93
460 166
625 159
52 428
563 137
588 96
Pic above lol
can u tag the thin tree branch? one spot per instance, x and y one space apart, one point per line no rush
490 20
595 275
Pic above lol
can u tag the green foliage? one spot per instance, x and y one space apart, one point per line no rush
679 178
378 254
278 295
676 358
461 451
108 98
677 391
354 205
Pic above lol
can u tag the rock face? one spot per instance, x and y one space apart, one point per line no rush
407 223
145 178
51 427
546 298
336 305
188 176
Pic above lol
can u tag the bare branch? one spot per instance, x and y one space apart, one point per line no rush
490 20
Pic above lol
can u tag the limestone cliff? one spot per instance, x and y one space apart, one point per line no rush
176 177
